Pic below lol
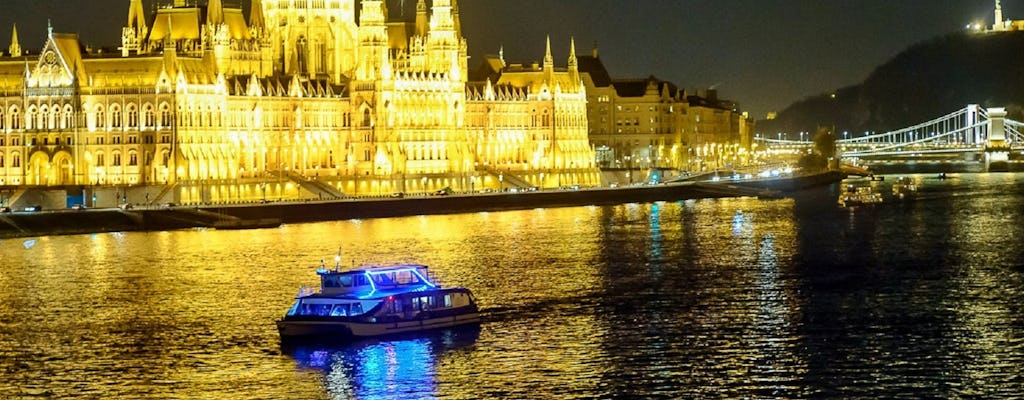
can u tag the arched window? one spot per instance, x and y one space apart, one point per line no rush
2 124
366 117
100 160
1 160
133 159
68 119
148 119
40 122
30 118
101 118
165 116
133 116
15 118
116 159
51 122
16 160
115 116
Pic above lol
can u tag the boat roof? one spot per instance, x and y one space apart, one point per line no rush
375 269
383 293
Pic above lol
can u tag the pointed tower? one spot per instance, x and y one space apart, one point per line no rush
257 23
458 20
373 41
15 48
574 68
214 13
549 61
999 25
549 65
258 29
135 31
421 18
444 45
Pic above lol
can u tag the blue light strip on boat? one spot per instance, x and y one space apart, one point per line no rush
415 271
373 286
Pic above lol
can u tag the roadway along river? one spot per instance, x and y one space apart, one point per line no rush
733 298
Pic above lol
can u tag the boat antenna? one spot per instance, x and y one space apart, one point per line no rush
337 260
323 265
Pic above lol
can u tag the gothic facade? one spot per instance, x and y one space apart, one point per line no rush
296 99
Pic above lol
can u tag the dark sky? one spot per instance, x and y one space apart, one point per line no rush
765 54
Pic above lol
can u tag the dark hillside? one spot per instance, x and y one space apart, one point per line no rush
924 82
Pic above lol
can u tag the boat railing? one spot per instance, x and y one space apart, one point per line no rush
434 278
307 291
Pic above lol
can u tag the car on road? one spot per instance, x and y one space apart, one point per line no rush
5 209
34 208
78 207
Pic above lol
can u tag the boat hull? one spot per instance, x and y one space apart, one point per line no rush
362 329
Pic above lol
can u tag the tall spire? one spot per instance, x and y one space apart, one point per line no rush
458 20
421 18
549 61
573 63
137 17
998 25
256 20
214 13
574 69
15 48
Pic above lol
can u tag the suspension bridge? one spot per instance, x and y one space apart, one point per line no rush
972 133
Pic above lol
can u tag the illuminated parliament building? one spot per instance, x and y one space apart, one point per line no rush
294 99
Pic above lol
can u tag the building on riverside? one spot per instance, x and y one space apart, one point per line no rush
295 100
653 124
644 124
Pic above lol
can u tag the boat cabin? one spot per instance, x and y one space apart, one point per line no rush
375 281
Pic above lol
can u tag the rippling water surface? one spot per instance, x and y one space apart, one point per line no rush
734 298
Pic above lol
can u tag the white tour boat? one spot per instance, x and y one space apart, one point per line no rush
376 301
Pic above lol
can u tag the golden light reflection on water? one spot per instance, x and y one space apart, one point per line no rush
734 298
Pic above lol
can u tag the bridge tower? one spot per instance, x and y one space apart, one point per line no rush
997 150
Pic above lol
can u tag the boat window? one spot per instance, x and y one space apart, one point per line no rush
447 300
360 280
384 280
321 310
294 309
405 278
345 280
422 303
340 310
357 309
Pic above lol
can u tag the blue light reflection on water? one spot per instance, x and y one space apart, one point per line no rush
403 367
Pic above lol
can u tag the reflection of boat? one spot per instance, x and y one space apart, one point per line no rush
858 196
375 301
380 368
904 187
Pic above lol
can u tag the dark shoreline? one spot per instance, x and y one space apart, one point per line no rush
248 216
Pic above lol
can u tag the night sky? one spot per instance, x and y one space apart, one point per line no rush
764 54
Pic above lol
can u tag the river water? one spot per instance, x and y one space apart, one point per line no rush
729 298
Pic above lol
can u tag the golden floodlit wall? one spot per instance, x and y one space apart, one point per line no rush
294 100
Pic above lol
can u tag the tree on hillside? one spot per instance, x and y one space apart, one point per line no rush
823 153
